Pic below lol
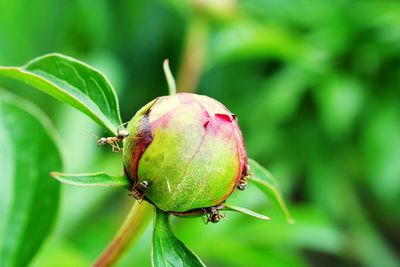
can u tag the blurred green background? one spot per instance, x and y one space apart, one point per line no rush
315 85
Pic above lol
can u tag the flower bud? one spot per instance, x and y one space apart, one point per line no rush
184 152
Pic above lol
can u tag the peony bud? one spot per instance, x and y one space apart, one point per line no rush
184 152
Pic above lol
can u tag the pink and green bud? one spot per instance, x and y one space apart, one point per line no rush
187 149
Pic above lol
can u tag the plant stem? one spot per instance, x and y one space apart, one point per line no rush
193 55
134 225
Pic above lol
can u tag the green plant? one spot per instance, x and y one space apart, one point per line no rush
35 199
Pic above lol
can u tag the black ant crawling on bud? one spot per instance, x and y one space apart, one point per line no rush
212 215
113 141
139 190
243 180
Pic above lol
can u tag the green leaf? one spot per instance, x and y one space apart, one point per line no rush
74 83
168 250
28 153
245 211
169 77
264 180
92 179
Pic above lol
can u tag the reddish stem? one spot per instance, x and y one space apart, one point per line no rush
134 225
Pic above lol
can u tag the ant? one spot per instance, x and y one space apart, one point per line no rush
213 215
139 189
113 141
243 180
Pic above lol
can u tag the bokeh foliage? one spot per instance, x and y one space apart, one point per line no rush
314 85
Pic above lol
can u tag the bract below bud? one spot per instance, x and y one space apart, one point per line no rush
189 151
